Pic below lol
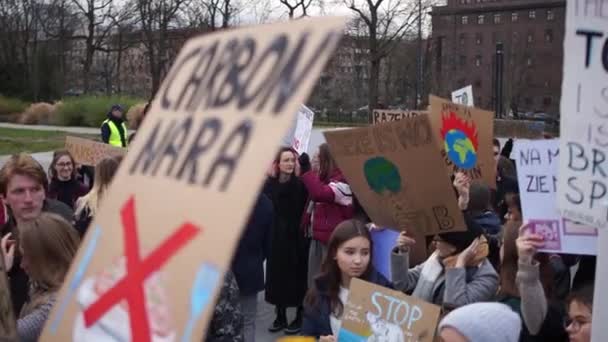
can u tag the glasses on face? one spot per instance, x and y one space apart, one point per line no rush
575 323
68 164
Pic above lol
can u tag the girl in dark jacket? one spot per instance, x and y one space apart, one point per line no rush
64 185
325 213
288 262
349 256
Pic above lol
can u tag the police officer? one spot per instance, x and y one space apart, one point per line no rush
114 129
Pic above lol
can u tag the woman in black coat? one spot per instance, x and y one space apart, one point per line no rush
287 265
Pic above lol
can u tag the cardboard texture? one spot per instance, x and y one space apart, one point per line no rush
537 162
464 96
89 152
390 115
396 172
582 191
375 313
522 129
153 260
8 325
464 135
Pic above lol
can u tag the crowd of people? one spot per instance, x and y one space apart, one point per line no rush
307 237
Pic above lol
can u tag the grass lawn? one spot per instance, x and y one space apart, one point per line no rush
31 141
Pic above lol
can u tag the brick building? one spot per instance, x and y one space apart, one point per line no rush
465 35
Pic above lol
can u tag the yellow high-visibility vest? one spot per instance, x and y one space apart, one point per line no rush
115 139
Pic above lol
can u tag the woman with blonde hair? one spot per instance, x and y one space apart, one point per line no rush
46 246
87 206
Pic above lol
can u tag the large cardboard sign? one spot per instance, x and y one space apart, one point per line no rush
389 115
397 174
153 259
537 163
89 152
583 187
523 129
375 313
464 96
298 136
464 135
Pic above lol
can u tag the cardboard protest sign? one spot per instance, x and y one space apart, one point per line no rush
375 313
464 96
153 260
464 135
89 152
582 192
523 129
8 326
298 136
397 174
537 163
389 115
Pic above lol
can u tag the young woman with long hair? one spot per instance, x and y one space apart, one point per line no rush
87 206
287 265
47 246
64 184
323 212
349 255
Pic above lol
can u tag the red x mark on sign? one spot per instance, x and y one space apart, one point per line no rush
130 287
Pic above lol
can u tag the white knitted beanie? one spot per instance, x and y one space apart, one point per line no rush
484 322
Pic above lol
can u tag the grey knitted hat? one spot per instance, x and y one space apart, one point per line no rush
484 322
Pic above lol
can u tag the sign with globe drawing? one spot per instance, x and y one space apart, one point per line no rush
465 137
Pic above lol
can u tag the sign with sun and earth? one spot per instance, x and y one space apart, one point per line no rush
465 137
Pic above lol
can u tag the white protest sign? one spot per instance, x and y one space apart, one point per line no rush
582 190
537 162
463 96
298 136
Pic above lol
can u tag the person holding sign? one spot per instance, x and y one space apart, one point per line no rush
86 206
349 256
521 295
456 274
47 245
326 213
287 264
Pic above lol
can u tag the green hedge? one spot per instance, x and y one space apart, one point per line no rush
90 110
11 105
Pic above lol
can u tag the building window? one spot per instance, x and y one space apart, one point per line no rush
478 61
478 39
478 84
529 61
550 15
547 101
497 18
530 38
514 16
462 39
528 101
465 20
478 101
480 19
463 61
546 84
515 37
549 36
532 14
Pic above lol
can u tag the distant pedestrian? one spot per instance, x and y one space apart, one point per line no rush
114 128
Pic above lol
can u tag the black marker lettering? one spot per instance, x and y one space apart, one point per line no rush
579 192
151 148
590 35
240 136
205 138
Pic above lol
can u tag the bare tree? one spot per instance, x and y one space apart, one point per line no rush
386 21
157 18
293 5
